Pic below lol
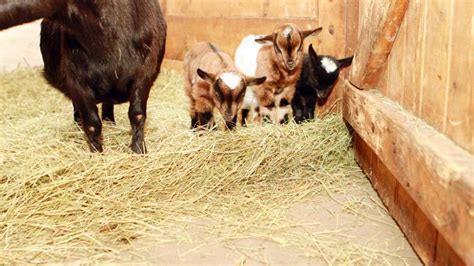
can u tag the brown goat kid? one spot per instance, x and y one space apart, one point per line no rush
95 52
281 61
211 81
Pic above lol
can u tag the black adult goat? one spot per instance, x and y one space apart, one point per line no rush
94 52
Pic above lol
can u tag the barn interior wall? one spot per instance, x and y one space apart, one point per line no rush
225 23
431 67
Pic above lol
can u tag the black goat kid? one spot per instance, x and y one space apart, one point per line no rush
94 52
317 79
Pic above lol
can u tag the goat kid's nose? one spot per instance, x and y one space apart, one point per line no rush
291 64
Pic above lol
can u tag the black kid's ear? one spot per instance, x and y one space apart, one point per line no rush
345 62
255 81
313 55
312 52
307 33
265 39
206 76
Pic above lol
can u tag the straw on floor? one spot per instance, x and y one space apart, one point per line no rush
59 202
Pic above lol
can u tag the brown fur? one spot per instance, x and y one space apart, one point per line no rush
204 67
281 63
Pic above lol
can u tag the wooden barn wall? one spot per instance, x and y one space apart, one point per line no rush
431 68
225 23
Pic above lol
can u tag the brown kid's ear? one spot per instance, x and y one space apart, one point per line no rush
265 39
307 33
345 62
251 81
206 76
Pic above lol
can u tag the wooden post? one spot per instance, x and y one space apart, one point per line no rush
379 27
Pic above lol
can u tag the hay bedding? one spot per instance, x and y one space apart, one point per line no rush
58 202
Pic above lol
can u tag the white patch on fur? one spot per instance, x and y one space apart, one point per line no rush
328 64
246 55
287 31
281 112
250 100
232 80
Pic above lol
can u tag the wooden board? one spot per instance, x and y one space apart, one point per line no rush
396 71
413 56
332 42
430 246
436 64
459 107
430 68
244 9
435 172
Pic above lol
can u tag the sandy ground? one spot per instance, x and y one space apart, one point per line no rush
19 48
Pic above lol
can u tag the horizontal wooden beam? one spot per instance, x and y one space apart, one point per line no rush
436 173
380 23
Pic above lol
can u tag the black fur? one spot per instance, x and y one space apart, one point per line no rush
314 84
98 51
245 115
203 120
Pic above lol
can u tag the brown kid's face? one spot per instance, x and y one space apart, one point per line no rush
229 89
288 46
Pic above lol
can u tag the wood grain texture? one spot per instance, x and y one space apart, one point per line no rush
413 56
352 28
396 70
332 42
243 9
430 246
379 27
430 68
436 173
436 63
459 113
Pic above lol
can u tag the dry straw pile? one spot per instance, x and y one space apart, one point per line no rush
60 202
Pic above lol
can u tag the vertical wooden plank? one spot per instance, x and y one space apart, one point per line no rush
413 58
471 62
352 30
383 82
458 117
396 70
164 6
436 62
332 40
